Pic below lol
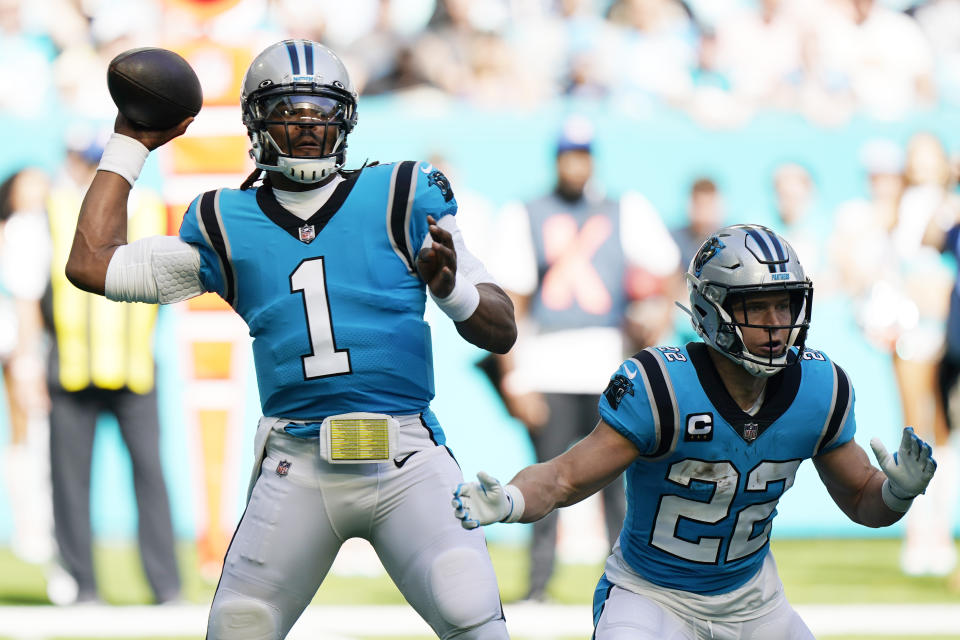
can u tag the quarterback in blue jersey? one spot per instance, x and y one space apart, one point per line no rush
710 435
330 269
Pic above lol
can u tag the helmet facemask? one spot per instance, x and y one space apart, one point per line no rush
727 273
281 120
737 304
291 87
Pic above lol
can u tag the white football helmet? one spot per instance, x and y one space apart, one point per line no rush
298 83
733 263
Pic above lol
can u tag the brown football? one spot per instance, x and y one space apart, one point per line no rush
154 88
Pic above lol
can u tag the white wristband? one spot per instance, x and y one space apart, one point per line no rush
894 502
517 503
462 301
124 156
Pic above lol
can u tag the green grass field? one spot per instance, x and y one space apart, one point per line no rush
813 572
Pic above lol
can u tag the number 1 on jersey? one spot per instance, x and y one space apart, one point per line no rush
324 359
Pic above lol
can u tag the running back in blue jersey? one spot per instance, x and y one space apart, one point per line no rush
334 303
702 497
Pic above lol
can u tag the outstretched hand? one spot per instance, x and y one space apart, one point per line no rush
149 138
437 264
480 503
910 469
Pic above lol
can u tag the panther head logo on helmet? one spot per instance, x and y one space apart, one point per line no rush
292 85
733 264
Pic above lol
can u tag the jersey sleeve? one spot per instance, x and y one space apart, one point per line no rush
625 406
840 425
433 196
191 231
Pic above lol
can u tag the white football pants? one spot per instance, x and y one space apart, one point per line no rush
631 616
299 514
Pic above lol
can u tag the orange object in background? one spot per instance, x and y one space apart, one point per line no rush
210 154
220 68
203 9
215 356
214 342
212 543
211 360
208 302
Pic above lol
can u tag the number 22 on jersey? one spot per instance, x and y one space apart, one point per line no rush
324 359
724 477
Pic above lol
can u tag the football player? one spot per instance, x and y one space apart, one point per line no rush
711 435
330 269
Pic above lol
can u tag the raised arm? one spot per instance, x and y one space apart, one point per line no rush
102 225
579 472
482 312
876 497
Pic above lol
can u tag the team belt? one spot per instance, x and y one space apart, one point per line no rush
359 437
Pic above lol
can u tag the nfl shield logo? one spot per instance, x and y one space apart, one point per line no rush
750 431
307 234
283 468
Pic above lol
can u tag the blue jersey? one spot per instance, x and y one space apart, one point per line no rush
702 496
334 303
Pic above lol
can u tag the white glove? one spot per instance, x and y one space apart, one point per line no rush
487 501
908 471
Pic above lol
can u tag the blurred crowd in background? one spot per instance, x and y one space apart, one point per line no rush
720 60
721 63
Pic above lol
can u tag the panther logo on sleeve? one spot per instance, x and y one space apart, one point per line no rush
618 388
438 180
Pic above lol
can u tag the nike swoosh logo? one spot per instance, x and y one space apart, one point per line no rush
401 461
630 374
427 169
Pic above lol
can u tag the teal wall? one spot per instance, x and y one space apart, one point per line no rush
506 154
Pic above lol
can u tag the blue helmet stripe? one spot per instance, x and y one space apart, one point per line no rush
768 256
775 241
294 58
308 57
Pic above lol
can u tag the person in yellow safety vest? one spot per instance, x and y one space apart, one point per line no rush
102 360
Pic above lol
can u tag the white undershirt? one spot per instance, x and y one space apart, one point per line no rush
759 402
304 204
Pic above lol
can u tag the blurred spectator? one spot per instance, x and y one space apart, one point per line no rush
25 58
24 264
381 57
657 51
463 53
572 261
940 21
943 233
704 216
928 548
887 81
900 290
566 46
860 244
760 48
794 206
590 50
712 101
111 32
102 360
817 89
